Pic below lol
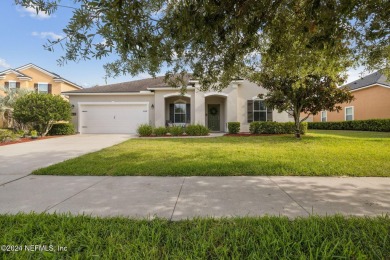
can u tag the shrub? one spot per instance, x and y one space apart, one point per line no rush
197 130
34 133
160 131
8 135
234 127
275 128
41 110
176 130
376 125
145 130
62 129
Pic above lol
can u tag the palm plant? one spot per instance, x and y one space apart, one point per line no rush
7 102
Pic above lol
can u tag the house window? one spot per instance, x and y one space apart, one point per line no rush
324 117
11 84
259 110
349 114
43 88
179 113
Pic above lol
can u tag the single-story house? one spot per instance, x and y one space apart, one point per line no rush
372 101
122 107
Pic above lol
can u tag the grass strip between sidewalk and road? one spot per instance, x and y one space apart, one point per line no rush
86 237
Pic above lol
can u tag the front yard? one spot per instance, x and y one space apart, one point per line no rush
319 153
83 237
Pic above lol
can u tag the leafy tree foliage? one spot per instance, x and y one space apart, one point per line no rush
301 46
41 110
7 102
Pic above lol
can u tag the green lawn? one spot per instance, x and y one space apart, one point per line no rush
319 153
235 238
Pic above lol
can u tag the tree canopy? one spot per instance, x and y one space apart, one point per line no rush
299 50
41 111
218 40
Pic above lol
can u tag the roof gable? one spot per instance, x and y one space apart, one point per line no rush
56 77
376 78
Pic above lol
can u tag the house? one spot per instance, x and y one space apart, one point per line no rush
32 77
372 101
120 108
35 78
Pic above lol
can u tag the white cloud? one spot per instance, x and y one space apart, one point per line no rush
45 35
357 73
30 11
4 64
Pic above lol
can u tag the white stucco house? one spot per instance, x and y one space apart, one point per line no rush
122 107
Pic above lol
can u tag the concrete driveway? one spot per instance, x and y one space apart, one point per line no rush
19 160
187 197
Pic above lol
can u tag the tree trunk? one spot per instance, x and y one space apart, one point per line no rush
297 125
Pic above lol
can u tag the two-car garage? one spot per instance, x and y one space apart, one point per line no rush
111 117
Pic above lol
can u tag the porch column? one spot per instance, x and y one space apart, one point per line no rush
198 106
231 105
159 109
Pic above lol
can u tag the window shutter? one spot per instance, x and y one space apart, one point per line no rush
36 87
188 113
17 84
6 84
171 113
269 114
49 88
250 110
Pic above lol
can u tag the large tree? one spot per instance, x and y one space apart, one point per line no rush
271 40
41 111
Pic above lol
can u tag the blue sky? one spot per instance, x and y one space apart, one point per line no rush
24 34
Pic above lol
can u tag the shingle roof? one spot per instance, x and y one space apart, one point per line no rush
3 73
54 75
130 86
371 79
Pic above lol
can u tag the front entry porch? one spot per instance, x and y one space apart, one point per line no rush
215 108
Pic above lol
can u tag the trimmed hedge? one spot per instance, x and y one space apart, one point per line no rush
145 130
176 130
376 125
197 130
160 131
275 128
62 129
234 127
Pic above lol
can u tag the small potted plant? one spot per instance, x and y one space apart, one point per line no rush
34 134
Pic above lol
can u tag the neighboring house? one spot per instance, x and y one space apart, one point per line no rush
120 108
372 101
36 79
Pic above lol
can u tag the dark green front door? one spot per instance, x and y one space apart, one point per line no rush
213 117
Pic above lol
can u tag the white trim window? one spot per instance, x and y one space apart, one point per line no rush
259 110
180 113
349 113
43 88
11 84
324 116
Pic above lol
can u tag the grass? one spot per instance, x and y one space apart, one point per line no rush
319 153
237 238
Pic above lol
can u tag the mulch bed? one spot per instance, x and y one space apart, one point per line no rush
28 139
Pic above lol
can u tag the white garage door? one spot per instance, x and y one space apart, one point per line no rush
112 118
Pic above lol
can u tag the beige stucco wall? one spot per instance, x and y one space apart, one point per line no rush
369 103
74 100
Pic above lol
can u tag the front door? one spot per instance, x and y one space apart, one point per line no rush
214 117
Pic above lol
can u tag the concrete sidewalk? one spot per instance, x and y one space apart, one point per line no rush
187 197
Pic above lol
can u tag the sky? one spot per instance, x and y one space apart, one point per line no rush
24 33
